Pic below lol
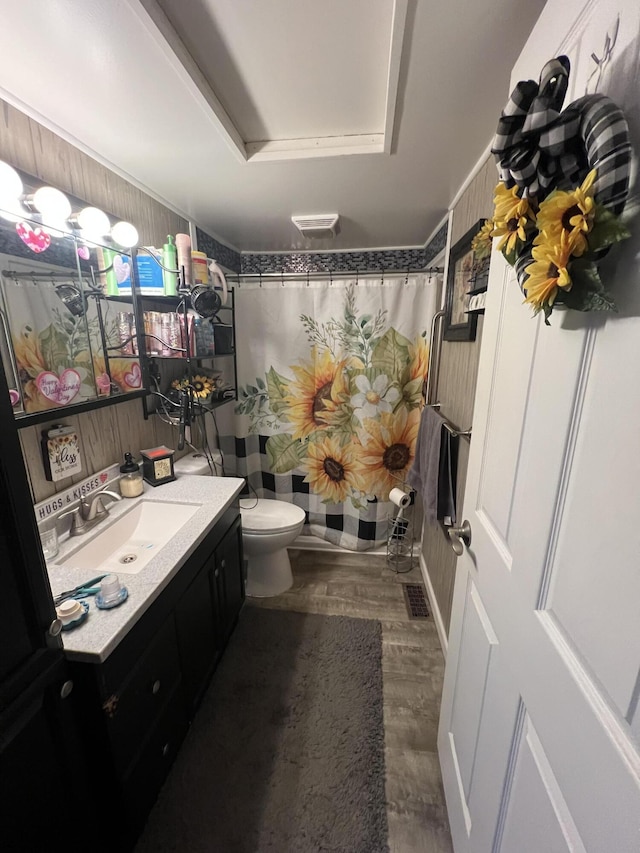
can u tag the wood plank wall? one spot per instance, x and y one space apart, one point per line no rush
456 393
105 434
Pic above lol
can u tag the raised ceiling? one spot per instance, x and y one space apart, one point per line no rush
242 113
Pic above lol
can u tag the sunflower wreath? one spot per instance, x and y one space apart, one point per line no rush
564 181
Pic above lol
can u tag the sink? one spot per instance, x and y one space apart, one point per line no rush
128 543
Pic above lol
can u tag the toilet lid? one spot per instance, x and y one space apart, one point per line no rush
268 516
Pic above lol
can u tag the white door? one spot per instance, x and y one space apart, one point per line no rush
540 727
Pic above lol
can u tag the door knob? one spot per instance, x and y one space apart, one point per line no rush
460 536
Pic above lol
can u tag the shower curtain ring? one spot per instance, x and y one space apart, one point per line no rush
260 281
307 276
357 277
406 278
282 276
382 278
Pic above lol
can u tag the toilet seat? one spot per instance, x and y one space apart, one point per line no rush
269 516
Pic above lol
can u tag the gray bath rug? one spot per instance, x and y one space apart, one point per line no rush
286 753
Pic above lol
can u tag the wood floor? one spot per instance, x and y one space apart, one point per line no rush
362 586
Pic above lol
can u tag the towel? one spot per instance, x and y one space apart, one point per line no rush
424 473
447 476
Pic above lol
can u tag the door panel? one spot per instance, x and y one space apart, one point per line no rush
478 638
507 408
534 806
539 727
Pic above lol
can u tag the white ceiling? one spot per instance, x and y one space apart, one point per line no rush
242 113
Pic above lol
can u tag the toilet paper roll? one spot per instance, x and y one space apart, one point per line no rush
399 498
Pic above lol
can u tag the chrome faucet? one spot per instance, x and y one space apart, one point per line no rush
89 512
92 507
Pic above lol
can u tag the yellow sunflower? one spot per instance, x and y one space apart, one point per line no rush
314 400
548 272
202 386
571 212
510 217
481 243
334 471
389 450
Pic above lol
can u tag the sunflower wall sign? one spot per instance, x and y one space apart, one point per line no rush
348 415
564 181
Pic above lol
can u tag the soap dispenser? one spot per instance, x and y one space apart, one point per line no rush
131 485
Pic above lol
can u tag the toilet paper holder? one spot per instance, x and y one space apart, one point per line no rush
400 533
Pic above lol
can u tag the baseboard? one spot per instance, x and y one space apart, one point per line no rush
433 601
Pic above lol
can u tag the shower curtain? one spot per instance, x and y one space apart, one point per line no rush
330 378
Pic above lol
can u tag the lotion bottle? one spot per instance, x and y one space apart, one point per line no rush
183 246
170 260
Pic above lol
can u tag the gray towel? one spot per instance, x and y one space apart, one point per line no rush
423 475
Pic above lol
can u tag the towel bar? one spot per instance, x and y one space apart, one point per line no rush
465 433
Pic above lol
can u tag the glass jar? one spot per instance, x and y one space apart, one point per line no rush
131 485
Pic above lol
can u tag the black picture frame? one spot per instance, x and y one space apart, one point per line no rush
459 323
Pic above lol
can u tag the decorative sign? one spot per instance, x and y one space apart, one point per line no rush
59 389
133 378
35 238
63 500
61 453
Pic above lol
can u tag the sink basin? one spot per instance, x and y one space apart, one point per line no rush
128 543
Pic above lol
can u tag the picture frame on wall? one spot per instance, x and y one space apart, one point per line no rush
459 323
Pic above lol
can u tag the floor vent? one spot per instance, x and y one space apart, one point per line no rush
415 600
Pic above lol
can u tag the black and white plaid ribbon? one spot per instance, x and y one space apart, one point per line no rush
540 147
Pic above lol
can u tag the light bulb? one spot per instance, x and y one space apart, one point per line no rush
10 183
94 223
12 210
54 206
124 234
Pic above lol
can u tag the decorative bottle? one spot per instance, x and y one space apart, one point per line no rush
131 485
183 246
170 261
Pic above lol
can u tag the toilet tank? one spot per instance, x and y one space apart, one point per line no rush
196 463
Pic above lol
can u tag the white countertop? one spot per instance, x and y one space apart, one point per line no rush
98 636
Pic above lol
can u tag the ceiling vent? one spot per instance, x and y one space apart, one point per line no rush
317 224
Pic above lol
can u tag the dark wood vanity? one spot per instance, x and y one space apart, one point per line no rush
134 709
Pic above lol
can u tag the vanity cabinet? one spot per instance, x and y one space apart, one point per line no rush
136 706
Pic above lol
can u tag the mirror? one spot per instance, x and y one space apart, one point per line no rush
66 344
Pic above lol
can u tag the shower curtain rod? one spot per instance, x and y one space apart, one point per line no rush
47 276
309 276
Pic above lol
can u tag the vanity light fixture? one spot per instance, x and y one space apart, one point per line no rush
124 234
11 191
94 224
52 210
11 186
54 206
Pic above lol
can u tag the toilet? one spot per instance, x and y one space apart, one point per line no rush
268 528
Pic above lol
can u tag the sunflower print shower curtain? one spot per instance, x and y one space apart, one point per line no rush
330 395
